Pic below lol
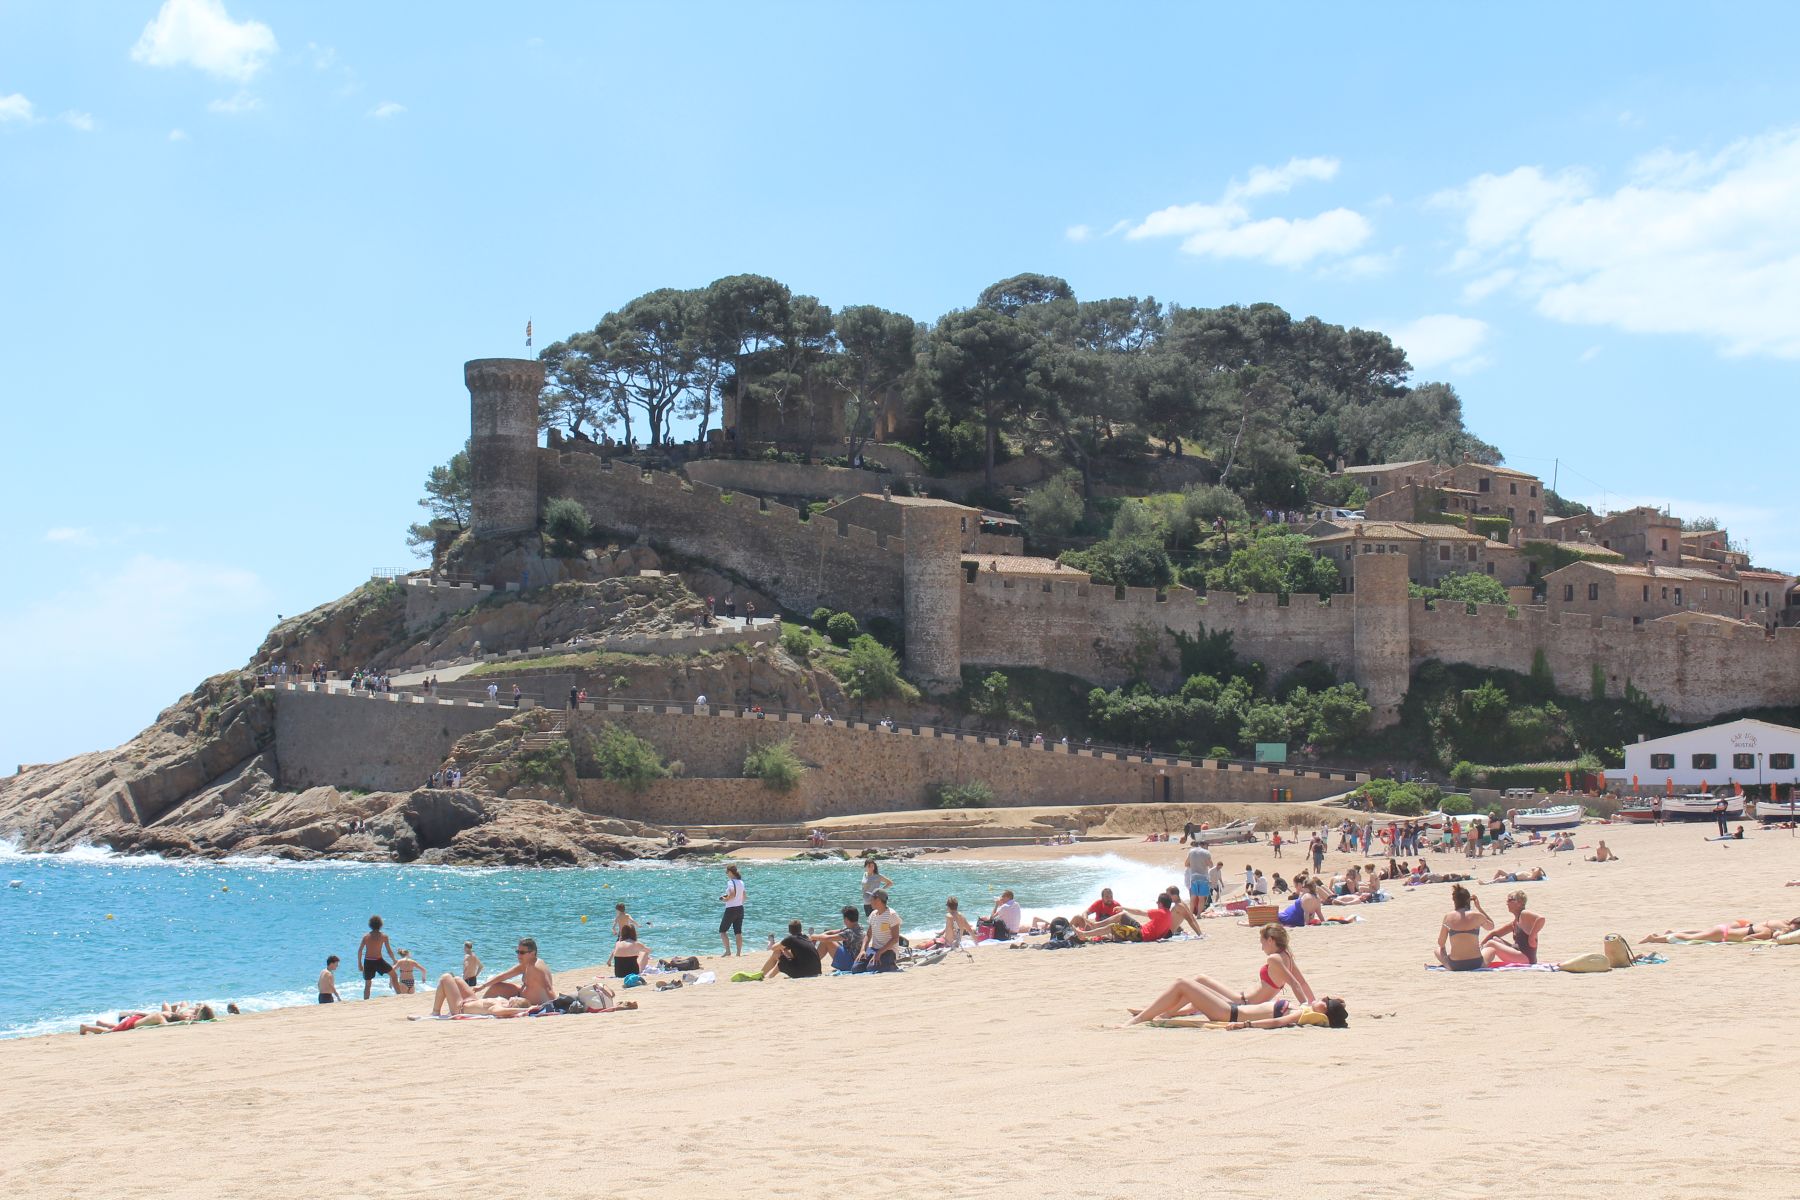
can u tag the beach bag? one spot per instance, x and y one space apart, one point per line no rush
1617 950
594 997
1586 964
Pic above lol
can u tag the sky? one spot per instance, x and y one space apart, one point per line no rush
246 246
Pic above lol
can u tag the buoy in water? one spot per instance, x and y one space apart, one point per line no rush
224 889
109 916
584 918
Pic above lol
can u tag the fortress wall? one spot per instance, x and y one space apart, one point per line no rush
1090 631
802 563
428 601
1697 671
786 479
386 742
862 770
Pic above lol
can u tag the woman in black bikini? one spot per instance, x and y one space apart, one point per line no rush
1459 937
629 956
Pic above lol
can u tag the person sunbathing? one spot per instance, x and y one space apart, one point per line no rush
127 1021
1304 909
1602 853
535 984
1531 876
1207 1001
1459 937
462 1000
1522 931
1732 931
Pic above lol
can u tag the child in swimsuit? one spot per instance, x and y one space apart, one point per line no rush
328 993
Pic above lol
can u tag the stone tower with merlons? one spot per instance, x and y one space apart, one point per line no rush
503 453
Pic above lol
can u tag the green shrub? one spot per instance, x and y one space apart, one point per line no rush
842 627
1456 806
991 698
776 764
623 757
974 794
1219 752
1546 775
1054 508
820 615
545 766
1463 774
797 640
1401 799
888 632
871 672
566 520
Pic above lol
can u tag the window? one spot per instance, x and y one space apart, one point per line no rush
1481 485
1512 489
1746 597
1443 554
1534 491
1381 549
1705 595
1665 543
1677 597
1743 762
1605 544
1593 591
1665 594
1646 593
1512 514
1705 762
1367 548
1662 762
1568 592
1490 568
1531 516
1781 762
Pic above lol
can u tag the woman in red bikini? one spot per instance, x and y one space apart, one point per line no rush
1278 973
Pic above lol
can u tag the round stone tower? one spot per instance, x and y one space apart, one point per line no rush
503 429
1381 652
931 596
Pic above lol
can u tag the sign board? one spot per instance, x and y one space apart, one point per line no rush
1271 752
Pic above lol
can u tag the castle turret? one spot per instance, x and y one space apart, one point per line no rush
503 429
1381 654
932 591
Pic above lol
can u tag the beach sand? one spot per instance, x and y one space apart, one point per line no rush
1006 1075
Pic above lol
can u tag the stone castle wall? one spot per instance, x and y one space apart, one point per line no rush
384 742
802 563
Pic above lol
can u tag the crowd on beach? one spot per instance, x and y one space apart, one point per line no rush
867 938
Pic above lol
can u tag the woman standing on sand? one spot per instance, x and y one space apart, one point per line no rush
1459 937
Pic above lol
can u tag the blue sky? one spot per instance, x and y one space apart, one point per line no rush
246 247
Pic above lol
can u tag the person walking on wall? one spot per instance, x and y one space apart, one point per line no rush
732 919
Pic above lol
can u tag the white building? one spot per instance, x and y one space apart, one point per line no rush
1743 752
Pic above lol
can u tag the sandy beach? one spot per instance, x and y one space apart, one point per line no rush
1006 1074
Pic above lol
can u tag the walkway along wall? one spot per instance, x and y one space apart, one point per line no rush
393 743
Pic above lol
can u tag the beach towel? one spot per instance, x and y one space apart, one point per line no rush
453 1017
1497 967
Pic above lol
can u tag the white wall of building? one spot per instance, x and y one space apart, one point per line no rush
1757 739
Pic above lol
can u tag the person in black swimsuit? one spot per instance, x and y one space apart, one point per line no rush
1522 931
1459 937
629 956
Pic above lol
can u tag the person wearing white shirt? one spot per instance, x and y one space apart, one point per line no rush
732 919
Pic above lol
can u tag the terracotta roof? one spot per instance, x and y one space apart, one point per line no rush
1020 564
1500 470
1377 530
1372 468
1760 573
918 501
1642 571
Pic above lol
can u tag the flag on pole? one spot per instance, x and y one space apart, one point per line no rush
528 335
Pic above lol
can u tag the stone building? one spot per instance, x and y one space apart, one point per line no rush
983 532
1432 552
1640 534
1640 593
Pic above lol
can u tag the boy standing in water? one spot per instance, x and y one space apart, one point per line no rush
471 964
328 993
371 956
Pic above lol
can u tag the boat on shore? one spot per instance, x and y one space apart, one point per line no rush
1233 831
1689 806
1778 810
1546 818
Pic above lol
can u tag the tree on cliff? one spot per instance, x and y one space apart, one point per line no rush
447 499
978 365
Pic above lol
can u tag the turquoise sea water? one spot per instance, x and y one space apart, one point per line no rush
88 933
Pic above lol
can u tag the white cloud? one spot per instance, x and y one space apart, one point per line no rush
1443 340
1705 246
1078 233
15 107
235 105
386 109
1225 229
1589 355
1275 181
79 120
199 33
178 135
71 535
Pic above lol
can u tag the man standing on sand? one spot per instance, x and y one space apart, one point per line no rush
732 919
372 955
1719 816
1198 869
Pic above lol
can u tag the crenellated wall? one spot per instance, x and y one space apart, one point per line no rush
802 563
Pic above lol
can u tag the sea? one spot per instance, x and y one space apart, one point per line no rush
87 933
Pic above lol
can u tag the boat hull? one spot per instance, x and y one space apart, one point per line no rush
1546 820
1680 808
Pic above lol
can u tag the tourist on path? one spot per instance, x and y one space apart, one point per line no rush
732 919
